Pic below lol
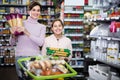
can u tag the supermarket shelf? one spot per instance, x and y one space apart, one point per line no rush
5 34
73 19
1 64
21 5
107 38
3 20
73 27
79 12
11 5
6 64
77 59
77 42
3 13
73 34
4 44
9 13
78 49
90 8
4 40
77 66
103 61
104 19
1 56
4 28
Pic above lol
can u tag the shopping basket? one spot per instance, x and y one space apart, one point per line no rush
71 73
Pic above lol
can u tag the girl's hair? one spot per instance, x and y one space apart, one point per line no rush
33 4
57 20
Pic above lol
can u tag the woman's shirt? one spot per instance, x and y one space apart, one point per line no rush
53 42
29 46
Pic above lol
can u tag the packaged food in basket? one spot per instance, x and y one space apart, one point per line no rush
58 52
46 68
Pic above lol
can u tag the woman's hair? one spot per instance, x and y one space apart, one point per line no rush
33 4
57 20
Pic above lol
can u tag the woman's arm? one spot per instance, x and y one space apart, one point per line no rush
39 40
12 40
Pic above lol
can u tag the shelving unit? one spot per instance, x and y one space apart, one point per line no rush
73 21
108 38
7 52
48 14
108 55
99 54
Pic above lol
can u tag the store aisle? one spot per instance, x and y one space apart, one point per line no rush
8 73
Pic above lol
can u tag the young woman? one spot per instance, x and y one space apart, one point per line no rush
34 35
57 40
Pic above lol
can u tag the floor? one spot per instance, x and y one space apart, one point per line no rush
8 73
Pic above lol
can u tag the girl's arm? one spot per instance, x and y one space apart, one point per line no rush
44 51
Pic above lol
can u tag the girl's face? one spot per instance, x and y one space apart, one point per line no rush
35 12
57 28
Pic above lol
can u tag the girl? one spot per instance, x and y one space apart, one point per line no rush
57 40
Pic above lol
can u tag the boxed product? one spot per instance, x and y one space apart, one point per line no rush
113 77
97 73
91 72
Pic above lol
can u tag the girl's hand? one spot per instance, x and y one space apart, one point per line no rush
65 58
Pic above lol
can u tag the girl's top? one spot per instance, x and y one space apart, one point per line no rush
52 41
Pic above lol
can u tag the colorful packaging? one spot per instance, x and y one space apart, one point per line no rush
9 20
15 20
19 20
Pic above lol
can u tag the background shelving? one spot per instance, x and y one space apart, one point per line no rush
73 21
48 13
102 57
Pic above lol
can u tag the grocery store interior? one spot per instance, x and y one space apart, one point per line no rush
92 25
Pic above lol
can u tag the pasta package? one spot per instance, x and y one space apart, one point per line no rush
15 20
19 20
9 20
58 52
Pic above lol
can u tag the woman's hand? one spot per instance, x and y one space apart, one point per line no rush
26 32
20 29
13 29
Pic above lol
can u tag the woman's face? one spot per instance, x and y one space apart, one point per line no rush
35 12
57 28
